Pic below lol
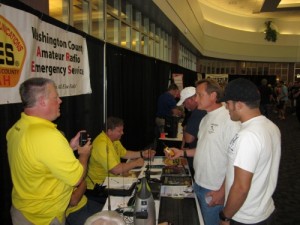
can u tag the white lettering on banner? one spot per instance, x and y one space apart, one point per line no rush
30 47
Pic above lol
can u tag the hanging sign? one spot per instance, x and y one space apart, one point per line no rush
30 47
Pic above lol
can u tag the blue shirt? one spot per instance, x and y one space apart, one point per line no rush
166 102
192 125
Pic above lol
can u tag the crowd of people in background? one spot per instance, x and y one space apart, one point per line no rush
280 99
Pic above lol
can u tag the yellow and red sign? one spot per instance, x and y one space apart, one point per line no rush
31 47
12 54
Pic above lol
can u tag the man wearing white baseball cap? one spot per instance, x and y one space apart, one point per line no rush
188 100
185 93
191 127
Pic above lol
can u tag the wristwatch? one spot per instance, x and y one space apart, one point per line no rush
223 217
184 153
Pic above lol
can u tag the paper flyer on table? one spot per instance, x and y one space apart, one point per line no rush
177 191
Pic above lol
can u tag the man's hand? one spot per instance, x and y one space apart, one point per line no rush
218 197
74 143
86 149
139 162
224 223
173 153
148 154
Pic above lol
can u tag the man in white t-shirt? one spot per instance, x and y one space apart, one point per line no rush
253 159
210 156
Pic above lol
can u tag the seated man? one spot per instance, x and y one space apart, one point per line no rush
106 156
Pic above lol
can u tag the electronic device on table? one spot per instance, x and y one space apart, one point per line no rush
144 209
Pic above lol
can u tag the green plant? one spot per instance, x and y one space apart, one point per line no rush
271 34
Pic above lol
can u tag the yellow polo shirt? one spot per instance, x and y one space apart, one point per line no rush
43 169
100 161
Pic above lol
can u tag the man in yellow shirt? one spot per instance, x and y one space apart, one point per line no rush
43 167
107 153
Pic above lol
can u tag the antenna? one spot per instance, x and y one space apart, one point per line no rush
148 170
108 186
155 144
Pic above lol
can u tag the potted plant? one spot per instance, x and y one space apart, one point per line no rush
271 34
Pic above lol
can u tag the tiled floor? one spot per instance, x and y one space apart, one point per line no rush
287 194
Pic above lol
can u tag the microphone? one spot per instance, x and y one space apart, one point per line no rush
148 170
131 200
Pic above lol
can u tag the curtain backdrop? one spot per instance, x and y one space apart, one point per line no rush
134 84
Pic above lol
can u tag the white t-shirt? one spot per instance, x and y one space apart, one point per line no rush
257 149
216 130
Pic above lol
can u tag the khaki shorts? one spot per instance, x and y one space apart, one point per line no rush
19 219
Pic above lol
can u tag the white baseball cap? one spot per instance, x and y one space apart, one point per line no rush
186 93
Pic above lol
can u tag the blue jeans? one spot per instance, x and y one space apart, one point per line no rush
271 220
79 217
210 214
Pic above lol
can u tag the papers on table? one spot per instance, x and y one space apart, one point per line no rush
177 191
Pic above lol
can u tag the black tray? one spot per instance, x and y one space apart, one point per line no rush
176 180
175 171
120 192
